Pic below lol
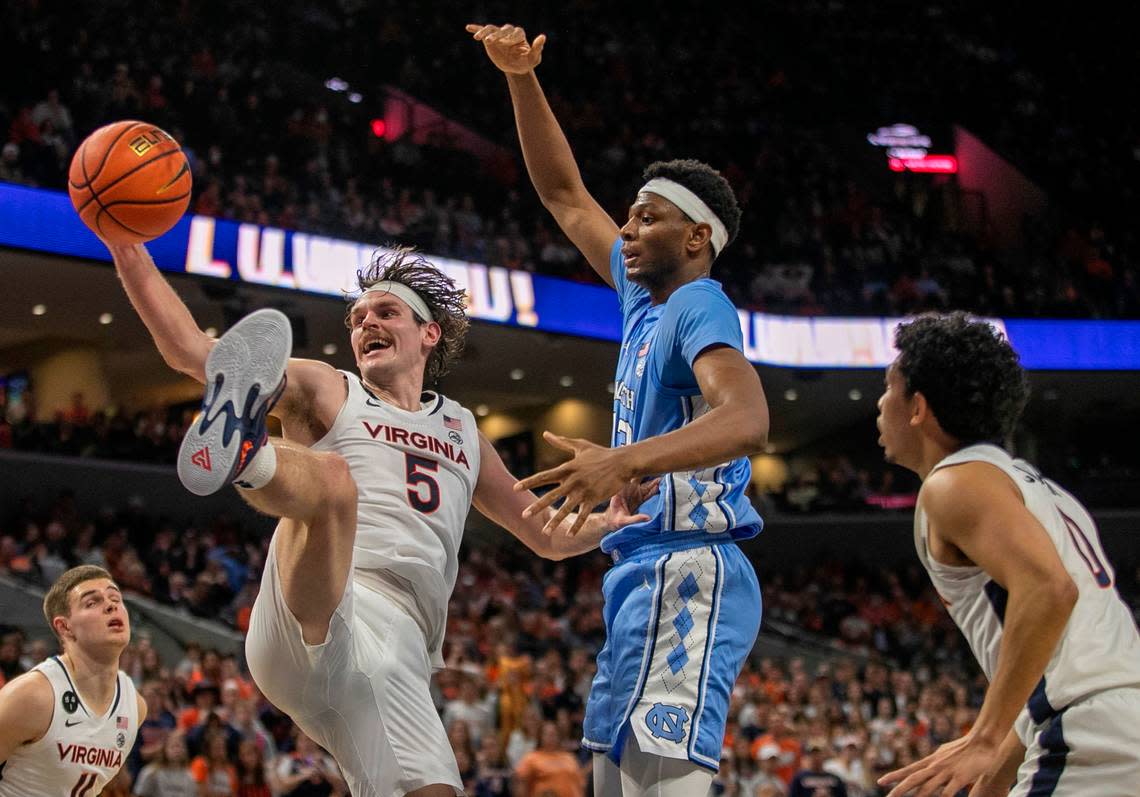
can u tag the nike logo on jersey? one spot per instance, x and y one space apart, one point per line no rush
70 724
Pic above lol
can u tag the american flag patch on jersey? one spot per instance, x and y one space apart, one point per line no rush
453 423
121 723
644 350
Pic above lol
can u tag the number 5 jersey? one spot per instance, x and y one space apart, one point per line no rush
415 474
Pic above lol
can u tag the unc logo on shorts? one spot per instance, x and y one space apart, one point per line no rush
667 722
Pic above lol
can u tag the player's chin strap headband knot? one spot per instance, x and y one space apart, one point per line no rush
399 289
692 206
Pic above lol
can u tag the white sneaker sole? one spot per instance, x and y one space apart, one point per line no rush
244 371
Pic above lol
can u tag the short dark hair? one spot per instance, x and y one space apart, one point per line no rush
57 601
707 183
970 375
447 303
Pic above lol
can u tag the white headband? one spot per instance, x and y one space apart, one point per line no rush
692 206
399 289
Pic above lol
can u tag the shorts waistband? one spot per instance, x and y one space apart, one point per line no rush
649 547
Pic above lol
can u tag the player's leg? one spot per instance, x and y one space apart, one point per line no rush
648 775
378 717
315 496
704 624
607 777
312 492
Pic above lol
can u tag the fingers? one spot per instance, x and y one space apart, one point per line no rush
537 45
542 503
500 34
550 476
928 780
899 774
571 444
583 514
557 518
481 31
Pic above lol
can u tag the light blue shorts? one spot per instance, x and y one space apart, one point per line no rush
681 618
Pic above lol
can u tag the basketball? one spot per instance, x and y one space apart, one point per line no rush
129 182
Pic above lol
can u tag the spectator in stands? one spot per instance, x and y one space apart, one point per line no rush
524 738
492 774
781 735
251 771
771 760
308 771
154 730
212 770
813 780
471 708
168 775
847 764
11 644
549 770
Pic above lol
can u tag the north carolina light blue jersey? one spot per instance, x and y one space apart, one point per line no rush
655 392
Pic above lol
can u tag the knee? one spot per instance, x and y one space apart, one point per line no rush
338 488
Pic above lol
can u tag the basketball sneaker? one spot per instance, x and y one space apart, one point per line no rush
245 375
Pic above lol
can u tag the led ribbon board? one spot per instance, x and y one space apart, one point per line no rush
44 221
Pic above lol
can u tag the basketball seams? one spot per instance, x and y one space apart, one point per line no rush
106 154
111 216
178 198
123 176
148 218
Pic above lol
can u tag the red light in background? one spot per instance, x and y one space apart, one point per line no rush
378 127
930 164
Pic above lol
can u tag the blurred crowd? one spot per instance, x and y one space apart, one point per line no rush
884 679
815 484
826 228
1087 456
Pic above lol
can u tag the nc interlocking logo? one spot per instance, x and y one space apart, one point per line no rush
667 722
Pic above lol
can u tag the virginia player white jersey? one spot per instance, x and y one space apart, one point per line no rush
80 752
1100 647
415 476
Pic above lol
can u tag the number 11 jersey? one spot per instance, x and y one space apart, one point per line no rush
1099 648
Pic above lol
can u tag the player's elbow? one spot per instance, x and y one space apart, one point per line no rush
1064 594
754 434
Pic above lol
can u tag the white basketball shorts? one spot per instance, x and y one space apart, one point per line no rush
362 694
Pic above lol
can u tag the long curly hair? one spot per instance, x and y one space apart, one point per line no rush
447 303
970 375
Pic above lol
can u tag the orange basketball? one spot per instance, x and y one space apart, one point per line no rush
129 182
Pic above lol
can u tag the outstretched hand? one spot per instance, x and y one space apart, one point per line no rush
622 509
593 475
508 48
949 769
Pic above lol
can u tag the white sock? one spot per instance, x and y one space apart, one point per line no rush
260 470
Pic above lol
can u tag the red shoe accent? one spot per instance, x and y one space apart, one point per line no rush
201 458
245 448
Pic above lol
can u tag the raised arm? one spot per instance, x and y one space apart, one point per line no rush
182 344
314 390
549 161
